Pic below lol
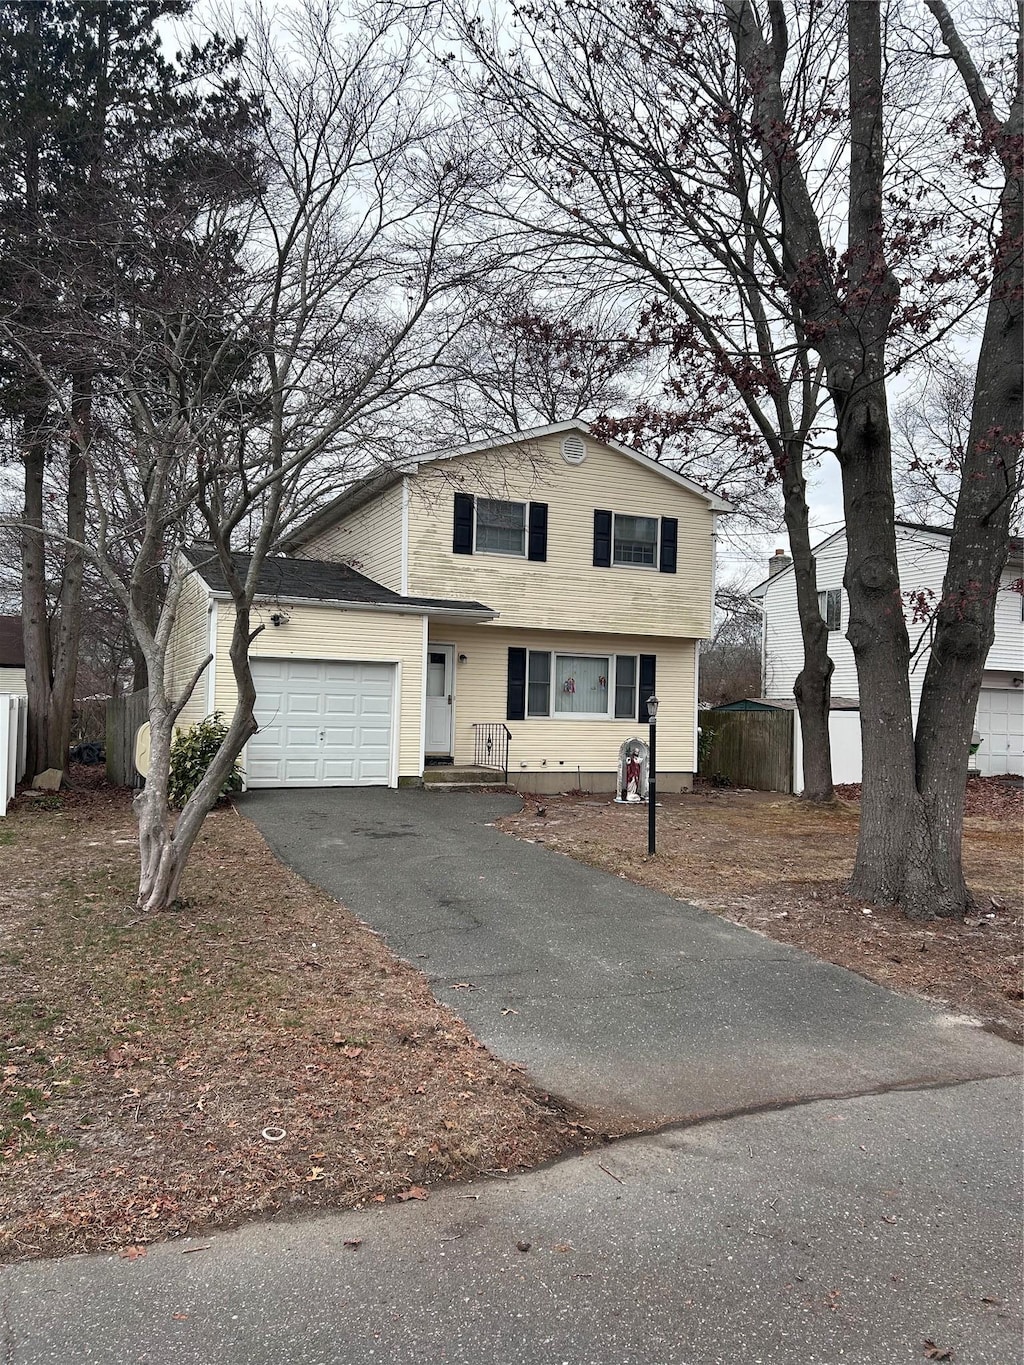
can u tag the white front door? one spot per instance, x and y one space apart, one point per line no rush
439 700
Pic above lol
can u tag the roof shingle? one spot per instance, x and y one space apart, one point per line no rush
317 580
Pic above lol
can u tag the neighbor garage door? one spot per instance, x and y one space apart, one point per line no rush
322 723
1001 725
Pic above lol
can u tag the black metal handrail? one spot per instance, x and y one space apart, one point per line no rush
490 747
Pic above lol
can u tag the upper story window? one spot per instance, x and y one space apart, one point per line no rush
629 540
500 527
830 604
635 540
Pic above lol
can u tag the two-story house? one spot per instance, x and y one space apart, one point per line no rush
922 552
540 587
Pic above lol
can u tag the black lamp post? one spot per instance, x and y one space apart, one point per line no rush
652 768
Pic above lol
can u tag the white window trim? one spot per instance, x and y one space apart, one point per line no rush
512 502
609 714
629 564
823 608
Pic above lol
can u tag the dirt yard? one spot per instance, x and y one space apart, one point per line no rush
257 1050
780 868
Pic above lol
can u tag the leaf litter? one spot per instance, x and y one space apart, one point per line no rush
164 1075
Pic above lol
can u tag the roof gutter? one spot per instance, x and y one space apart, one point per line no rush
390 608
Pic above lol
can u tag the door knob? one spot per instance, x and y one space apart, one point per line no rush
449 699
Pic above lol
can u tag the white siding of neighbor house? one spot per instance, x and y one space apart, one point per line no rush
922 563
12 680
189 646
1008 647
567 588
333 632
369 541
561 744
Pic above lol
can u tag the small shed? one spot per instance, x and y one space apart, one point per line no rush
758 743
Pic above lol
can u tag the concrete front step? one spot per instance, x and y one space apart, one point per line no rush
475 777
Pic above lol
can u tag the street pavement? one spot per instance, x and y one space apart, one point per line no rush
854 1231
836 1176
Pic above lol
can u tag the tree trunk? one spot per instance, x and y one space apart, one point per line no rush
856 370
166 843
34 615
878 635
965 624
69 602
812 689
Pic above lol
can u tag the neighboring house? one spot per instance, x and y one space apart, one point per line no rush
922 552
12 656
544 585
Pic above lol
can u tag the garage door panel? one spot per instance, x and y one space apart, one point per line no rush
304 704
260 773
322 723
341 737
341 706
373 737
338 772
374 706
301 735
301 772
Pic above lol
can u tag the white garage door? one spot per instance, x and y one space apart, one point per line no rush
322 723
1001 725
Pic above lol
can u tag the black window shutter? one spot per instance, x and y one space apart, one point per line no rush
462 535
538 544
647 684
516 707
669 539
602 540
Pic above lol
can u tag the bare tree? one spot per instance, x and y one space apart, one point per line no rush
930 430
812 217
730 662
622 138
912 810
303 291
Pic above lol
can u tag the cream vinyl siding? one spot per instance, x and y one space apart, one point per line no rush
12 680
481 694
370 541
331 632
567 586
190 644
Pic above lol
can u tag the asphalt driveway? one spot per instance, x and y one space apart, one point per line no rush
625 1001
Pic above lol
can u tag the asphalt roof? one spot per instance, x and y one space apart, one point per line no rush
12 642
316 580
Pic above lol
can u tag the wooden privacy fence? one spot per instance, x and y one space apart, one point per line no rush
13 745
124 716
750 749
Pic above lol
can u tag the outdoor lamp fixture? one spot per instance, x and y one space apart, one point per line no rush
652 728
279 618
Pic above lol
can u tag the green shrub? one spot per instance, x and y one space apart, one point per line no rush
192 753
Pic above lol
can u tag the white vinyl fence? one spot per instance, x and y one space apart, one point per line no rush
13 743
844 734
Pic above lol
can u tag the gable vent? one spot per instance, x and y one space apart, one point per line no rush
574 450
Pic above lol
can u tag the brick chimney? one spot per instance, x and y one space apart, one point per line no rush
779 561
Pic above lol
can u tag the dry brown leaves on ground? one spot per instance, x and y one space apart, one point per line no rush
779 867
259 1049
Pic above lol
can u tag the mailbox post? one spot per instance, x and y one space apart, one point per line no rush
652 768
